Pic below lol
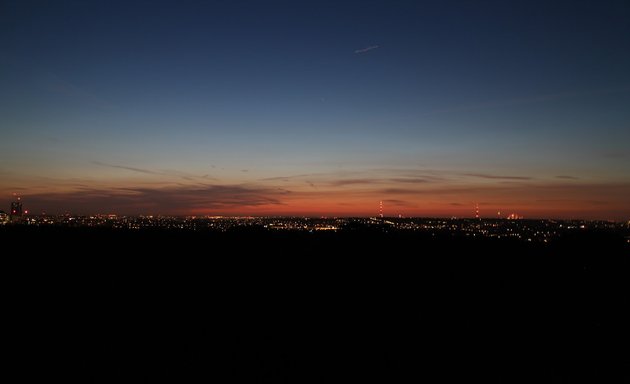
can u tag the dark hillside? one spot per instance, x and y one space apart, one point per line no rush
253 306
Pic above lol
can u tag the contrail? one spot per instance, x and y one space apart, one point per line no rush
371 47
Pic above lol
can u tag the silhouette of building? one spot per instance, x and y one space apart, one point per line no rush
16 210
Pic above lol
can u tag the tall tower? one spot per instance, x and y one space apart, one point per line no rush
16 209
477 211
380 209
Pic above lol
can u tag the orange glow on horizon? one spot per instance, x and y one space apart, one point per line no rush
332 195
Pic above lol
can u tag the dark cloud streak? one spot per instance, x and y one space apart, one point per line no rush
166 200
496 177
134 169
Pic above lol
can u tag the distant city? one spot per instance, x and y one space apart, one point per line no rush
511 227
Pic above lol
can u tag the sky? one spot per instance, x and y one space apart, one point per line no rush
316 108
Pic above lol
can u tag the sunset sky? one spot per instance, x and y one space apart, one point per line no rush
316 108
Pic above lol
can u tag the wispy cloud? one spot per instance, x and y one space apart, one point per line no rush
343 182
567 177
163 172
366 49
133 169
392 177
287 178
440 191
543 197
496 177
410 180
397 203
171 200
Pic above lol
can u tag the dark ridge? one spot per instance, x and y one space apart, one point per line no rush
254 306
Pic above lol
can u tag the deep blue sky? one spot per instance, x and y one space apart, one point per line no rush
100 96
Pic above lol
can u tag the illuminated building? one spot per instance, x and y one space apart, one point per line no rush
3 217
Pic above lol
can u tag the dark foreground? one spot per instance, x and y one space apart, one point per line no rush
330 307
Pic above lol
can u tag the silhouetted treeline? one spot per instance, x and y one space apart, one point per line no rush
253 306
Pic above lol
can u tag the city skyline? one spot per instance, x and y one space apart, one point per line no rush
316 109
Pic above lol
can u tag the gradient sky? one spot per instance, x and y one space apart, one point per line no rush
316 108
